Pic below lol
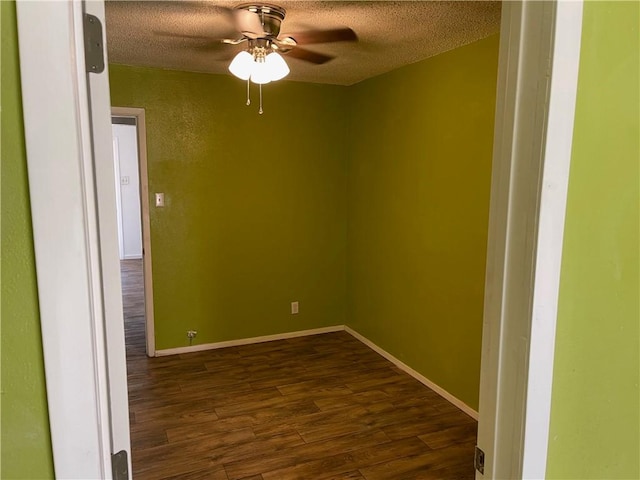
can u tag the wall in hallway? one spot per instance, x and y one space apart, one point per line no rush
125 147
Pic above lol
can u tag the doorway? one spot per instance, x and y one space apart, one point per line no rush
132 203
125 157
59 326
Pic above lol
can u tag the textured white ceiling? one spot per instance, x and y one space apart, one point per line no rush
390 34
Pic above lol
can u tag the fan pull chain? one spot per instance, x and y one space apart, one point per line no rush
260 111
248 94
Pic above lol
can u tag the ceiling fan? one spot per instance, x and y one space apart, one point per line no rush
259 26
262 23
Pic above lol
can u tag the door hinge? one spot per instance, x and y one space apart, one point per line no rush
120 465
93 44
478 460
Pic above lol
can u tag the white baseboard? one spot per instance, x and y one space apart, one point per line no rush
132 257
421 378
248 341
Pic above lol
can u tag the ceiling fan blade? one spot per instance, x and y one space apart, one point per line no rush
284 45
309 56
200 43
232 41
221 52
203 42
324 36
248 23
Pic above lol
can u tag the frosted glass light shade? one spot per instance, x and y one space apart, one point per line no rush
261 73
278 68
242 65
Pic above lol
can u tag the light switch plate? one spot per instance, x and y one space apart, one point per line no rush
159 199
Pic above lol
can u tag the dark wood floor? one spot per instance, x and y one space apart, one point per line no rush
319 407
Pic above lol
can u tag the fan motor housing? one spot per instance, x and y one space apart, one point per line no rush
270 15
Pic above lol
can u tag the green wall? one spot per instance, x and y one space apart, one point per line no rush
25 442
254 215
595 422
419 183
255 221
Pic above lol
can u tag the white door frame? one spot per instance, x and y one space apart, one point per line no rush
76 280
116 166
537 85
141 131
69 159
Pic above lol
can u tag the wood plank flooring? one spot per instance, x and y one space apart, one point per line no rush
319 407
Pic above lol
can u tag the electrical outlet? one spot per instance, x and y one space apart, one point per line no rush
191 334
294 308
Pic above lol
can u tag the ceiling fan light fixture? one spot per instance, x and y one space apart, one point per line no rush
277 66
242 65
261 73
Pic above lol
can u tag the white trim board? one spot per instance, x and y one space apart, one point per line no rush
538 66
248 341
68 246
553 202
418 376
317 331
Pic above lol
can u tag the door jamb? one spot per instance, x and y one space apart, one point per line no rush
537 86
141 132
64 207
116 166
